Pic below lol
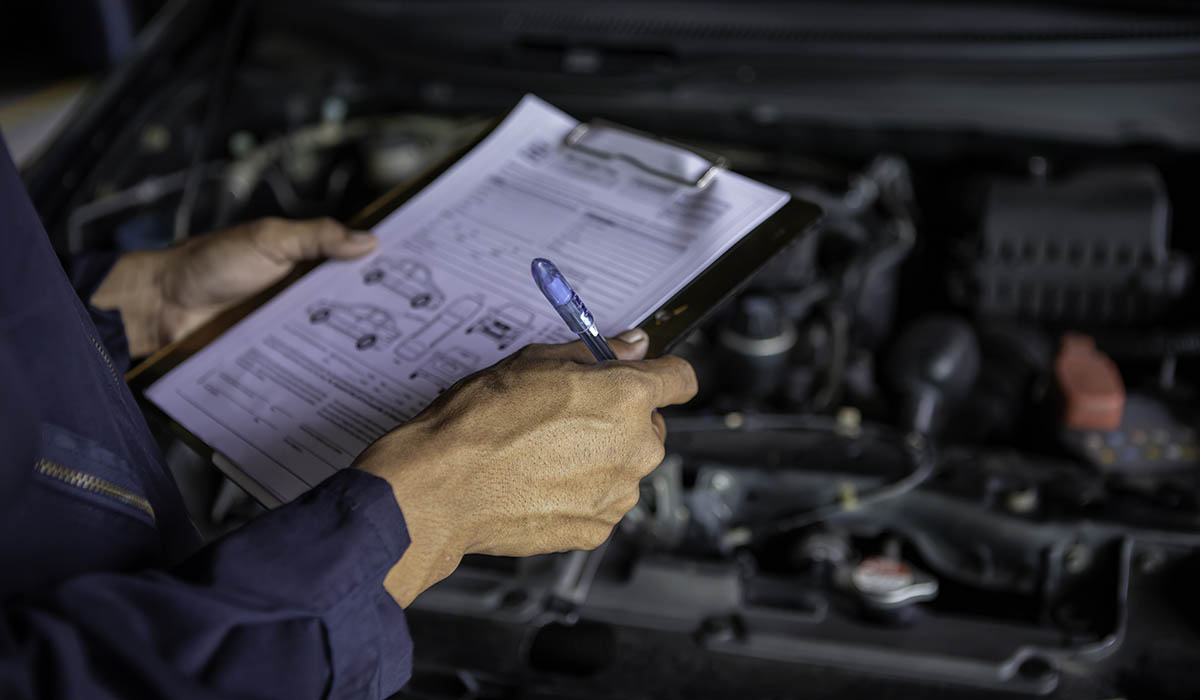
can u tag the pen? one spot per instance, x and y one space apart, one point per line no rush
568 305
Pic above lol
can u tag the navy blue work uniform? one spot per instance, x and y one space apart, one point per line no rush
106 590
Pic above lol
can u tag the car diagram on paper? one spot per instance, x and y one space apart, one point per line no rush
368 325
504 324
445 322
409 279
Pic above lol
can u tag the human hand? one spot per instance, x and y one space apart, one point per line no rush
540 453
165 294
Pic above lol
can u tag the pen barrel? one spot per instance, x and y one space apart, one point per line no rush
576 315
596 344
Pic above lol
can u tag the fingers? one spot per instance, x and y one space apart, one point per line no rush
659 425
293 241
671 379
630 345
674 380
652 450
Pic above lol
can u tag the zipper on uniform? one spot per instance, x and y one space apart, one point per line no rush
107 360
94 484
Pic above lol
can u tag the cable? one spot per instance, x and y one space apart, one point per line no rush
922 470
919 451
218 95
146 192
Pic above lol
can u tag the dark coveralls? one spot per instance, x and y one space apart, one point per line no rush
106 590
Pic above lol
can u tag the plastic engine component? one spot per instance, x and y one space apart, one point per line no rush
932 367
1093 393
1155 436
1090 248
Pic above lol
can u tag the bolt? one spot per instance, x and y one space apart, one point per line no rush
241 143
1039 168
1077 559
849 421
155 138
1023 501
721 481
847 495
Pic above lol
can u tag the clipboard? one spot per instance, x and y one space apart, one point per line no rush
666 326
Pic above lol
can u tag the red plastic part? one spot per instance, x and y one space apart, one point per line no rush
1091 385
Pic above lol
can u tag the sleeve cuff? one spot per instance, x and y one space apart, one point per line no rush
327 553
386 671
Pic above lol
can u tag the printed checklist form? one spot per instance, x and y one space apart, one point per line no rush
297 389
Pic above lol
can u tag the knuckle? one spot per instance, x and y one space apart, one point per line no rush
266 232
328 225
595 536
655 453
682 370
677 364
689 374
647 386
636 384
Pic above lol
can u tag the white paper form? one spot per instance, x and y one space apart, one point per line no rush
298 388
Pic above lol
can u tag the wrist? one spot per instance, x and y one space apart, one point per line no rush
425 486
134 288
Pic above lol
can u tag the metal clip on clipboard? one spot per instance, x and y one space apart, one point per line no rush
657 156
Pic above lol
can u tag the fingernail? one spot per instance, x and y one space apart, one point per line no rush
633 337
361 236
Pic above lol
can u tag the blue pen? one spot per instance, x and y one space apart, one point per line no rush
568 305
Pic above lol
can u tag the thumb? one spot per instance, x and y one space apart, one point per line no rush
292 241
352 244
630 345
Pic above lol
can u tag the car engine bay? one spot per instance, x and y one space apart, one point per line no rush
946 443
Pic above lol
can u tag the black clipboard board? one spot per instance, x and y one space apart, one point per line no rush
667 326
